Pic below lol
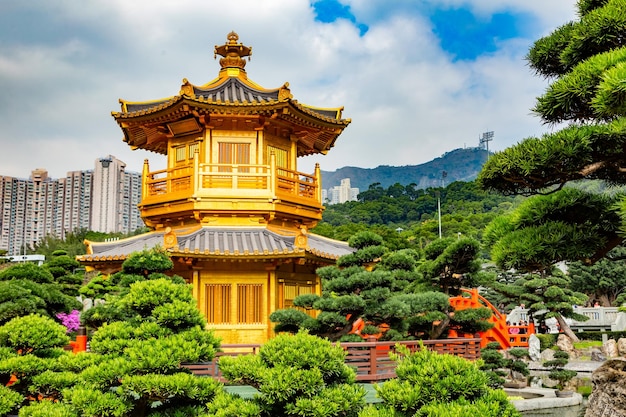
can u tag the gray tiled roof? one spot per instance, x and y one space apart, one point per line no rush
234 91
220 241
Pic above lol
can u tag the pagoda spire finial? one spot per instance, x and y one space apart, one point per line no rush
233 52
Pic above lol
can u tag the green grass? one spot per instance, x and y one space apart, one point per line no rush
585 390
585 344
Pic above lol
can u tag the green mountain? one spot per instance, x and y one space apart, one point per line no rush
456 165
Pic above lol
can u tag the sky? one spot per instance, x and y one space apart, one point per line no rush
418 78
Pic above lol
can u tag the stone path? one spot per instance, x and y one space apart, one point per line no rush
573 364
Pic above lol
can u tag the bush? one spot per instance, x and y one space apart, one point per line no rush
148 261
9 400
134 367
546 340
299 375
33 334
288 320
430 384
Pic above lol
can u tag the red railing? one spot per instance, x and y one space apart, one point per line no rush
370 360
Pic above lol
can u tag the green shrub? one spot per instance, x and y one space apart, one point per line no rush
49 384
492 363
92 402
47 409
364 239
557 372
494 403
546 340
148 261
288 320
33 334
27 271
9 400
430 384
172 389
145 296
229 405
616 335
178 315
297 374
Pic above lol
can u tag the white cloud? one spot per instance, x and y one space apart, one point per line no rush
64 65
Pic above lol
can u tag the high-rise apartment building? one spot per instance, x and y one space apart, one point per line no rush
341 193
104 199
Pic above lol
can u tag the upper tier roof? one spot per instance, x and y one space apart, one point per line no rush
231 93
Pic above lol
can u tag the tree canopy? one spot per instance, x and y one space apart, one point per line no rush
586 63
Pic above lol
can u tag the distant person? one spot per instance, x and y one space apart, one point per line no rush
523 328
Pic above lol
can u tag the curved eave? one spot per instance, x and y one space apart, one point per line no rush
330 115
145 128
219 243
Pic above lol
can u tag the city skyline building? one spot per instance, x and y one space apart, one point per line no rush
98 200
341 193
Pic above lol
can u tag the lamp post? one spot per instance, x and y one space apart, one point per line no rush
439 212
444 174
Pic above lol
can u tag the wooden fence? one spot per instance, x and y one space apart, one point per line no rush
369 359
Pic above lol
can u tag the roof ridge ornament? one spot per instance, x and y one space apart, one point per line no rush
233 52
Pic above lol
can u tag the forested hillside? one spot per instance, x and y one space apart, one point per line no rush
409 215
459 165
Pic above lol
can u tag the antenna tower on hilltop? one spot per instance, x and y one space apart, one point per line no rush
484 140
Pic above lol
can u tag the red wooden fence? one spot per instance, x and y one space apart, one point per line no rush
369 359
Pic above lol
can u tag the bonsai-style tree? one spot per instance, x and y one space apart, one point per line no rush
148 264
26 288
430 384
64 270
604 281
558 371
387 292
546 295
493 363
296 375
516 364
133 368
584 60
28 345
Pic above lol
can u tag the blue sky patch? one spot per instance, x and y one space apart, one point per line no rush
467 36
328 11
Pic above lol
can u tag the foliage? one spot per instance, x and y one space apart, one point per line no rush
148 261
586 60
406 217
138 270
546 340
604 281
492 363
297 374
516 362
546 296
390 297
26 288
432 384
98 287
32 334
9 400
557 369
451 263
29 271
133 368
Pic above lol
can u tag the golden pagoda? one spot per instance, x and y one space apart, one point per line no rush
231 207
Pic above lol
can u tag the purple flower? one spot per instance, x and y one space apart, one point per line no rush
71 320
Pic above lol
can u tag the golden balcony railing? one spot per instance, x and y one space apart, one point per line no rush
231 181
